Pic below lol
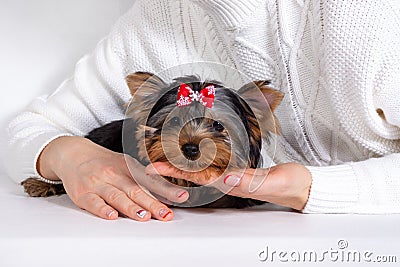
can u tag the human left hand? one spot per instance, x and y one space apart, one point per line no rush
285 184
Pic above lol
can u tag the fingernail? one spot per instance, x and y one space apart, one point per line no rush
110 213
141 213
232 180
164 213
180 194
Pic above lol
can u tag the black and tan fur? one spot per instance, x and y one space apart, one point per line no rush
156 130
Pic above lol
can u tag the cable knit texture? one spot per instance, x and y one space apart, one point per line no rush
337 62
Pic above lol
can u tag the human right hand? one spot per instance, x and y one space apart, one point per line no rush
99 180
286 184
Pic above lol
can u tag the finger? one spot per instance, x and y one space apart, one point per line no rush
138 195
95 205
165 169
120 201
247 182
157 184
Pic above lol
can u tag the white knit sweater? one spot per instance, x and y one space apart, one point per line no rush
337 62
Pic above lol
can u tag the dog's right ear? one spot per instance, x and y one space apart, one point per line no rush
263 101
150 82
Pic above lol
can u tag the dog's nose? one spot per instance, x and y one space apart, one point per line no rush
190 150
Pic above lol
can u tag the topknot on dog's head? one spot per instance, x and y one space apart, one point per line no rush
195 83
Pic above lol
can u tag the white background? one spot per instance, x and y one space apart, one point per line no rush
41 40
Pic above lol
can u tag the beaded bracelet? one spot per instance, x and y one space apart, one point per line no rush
47 181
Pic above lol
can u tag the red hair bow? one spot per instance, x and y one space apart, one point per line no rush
186 96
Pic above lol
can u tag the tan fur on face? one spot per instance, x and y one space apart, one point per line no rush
215 154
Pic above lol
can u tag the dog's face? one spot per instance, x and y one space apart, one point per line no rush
200 127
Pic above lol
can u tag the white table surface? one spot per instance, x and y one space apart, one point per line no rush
53 232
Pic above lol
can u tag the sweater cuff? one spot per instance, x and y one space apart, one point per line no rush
29 155
334 189
39 151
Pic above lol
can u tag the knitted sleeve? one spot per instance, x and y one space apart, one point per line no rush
366 96
96 93
366 187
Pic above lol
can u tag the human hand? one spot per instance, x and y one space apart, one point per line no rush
284 184
99 180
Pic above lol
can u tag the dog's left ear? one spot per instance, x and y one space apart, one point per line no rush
145 89
263 100
146 79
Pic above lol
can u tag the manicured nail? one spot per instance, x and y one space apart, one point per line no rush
180 194
164 213
141 213
110 213
232 180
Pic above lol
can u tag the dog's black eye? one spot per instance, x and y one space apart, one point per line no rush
218 126
175 121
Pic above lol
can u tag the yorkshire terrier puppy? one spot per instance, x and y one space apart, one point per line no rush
197 126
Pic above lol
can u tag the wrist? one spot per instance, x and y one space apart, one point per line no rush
305 192
300 200
52 156
291 183
300 182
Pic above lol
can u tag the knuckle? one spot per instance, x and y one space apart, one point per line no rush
135 192
114 196
92 178
108 170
